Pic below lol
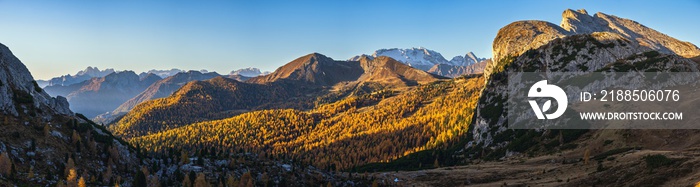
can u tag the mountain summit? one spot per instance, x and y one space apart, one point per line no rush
516 38
315 69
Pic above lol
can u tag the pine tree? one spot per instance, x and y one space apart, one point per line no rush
201 181
265 179
70 165
81 182
187 182
75 137
47 130
245 179
153 181
184 158
108 174
5 165
192 177
140 179
72 179
31 173
231 181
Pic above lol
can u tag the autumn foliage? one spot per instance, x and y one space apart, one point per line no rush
376 127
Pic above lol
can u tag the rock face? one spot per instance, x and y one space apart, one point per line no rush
18 90
579 22
518 37
583 44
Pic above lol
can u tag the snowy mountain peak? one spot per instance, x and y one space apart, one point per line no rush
247 72
421 58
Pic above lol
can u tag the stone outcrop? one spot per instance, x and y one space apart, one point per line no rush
19 93
516 38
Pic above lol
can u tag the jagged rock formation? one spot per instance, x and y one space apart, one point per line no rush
19 92
583 44
579 22
518 37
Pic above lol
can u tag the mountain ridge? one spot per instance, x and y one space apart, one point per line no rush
159 89
109 91
422 58
302 80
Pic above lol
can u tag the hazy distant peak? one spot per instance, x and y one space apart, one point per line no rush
162 73
94 72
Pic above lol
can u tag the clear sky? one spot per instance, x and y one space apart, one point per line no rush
60 37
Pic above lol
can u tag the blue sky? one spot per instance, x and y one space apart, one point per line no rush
60 37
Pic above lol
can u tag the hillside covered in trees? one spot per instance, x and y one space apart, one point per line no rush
375 127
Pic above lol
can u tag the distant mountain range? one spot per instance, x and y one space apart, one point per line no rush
81 76
249 72
118 91
159 89
101 94
431 61
91 72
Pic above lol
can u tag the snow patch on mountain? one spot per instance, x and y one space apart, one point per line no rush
421 57
247 72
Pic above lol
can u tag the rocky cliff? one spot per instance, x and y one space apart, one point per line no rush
518 37
19 92
583 44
